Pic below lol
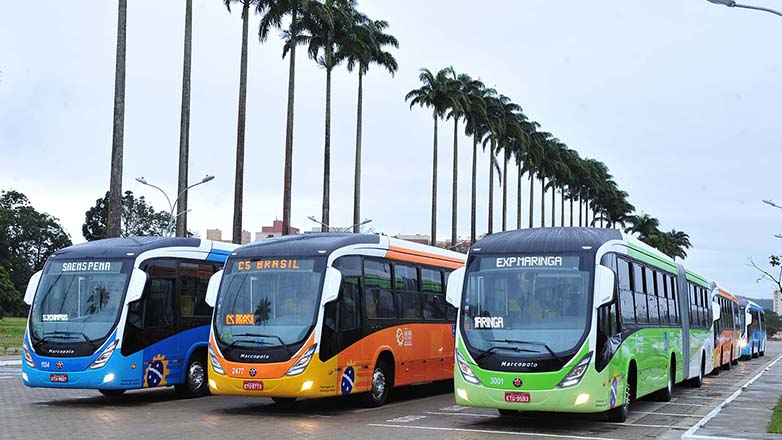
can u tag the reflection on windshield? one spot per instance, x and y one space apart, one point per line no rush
269 302
78 301
535 303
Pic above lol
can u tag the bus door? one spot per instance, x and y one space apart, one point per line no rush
194 313
162 359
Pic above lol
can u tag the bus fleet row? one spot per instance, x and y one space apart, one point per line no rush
554 319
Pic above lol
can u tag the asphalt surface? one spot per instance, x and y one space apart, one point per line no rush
418 412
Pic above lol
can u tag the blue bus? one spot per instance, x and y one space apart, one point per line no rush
122 313
753 330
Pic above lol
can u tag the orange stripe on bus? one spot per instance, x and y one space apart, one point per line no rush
412 256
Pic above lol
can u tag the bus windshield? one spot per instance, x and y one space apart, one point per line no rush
78 301
533 305
268 302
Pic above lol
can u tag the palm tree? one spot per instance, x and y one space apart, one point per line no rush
434 94
184 124
475 122
241 123
457 110
114 220
364 44
644 225
272 14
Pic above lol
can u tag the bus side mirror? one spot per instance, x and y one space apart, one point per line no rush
32 286
138 279
715 310
453 292
213 287
331 283
605 285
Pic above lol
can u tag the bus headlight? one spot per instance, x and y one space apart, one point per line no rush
577 373
215 362
302 363
466 370
28 358
104 357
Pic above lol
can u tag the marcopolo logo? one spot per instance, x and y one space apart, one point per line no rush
517 364
61 351
489 322
253 356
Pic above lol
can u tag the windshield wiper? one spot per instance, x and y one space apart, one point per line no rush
260 335
64 335
490 350
517 341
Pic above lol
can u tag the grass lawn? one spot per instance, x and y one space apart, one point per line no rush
775 427
11 333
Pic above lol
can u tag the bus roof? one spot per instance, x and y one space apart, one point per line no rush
541 240
724 293
303 245
121 247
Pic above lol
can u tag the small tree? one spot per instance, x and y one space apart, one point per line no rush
10 298
138 218
775 262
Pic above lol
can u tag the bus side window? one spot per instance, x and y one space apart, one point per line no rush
378 297
192 296
159 309
626 294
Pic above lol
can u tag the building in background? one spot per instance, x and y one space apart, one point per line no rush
275 230
217 235
777 302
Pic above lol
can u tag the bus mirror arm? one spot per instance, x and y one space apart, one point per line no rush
453 290
138 279
32 286
715 310
212 288
605 283
331 283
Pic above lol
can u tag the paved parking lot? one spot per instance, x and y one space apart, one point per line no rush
420 412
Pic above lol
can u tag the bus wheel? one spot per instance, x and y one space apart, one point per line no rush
112 393
761 353
619 414
727 365
697 381
381 385
284 402
508 412
734 362
665 394
196 383
755 353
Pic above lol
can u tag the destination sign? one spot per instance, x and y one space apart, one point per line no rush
531 261
86 266
275 264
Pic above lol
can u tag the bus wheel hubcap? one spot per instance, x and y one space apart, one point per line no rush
378 384
196 376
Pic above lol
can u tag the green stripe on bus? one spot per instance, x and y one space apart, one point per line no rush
655 260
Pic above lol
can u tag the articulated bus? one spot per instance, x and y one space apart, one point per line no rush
753 329
122 313
320 315
727 330
575 320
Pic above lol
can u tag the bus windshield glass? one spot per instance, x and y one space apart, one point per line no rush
268 302
535 305
78 301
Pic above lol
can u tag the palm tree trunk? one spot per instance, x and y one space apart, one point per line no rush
454 184
327 157
491 189
357 172
184 124
114 221
531 197
580 213
518 198
562 206
571 210
543 202
505 190
553 206
240 128
288 171
433 237
474 199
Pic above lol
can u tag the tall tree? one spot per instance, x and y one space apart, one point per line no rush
434 94
273 12
184 124
475 126
363 45
138 219
459 90
115 184
241 123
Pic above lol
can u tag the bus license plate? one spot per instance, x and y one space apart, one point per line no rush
253 386
517 397
58 378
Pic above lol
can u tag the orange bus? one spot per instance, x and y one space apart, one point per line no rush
332 314
727 330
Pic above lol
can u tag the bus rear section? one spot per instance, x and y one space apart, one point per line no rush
122 314
753 330
567 320
727 330
329 315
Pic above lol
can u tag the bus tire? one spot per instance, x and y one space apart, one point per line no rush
762 353
725 366
665 394
619 414
382 381
697 381
755 352
112 393
507 412
196 378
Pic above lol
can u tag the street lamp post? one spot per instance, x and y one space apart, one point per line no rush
733 4
172 206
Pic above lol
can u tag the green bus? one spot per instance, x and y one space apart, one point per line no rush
576 320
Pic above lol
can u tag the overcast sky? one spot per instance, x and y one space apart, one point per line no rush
680 98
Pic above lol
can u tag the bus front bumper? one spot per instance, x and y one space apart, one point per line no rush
300 386
115 375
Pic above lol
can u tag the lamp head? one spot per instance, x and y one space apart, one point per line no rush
141 180
729 3
207 178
